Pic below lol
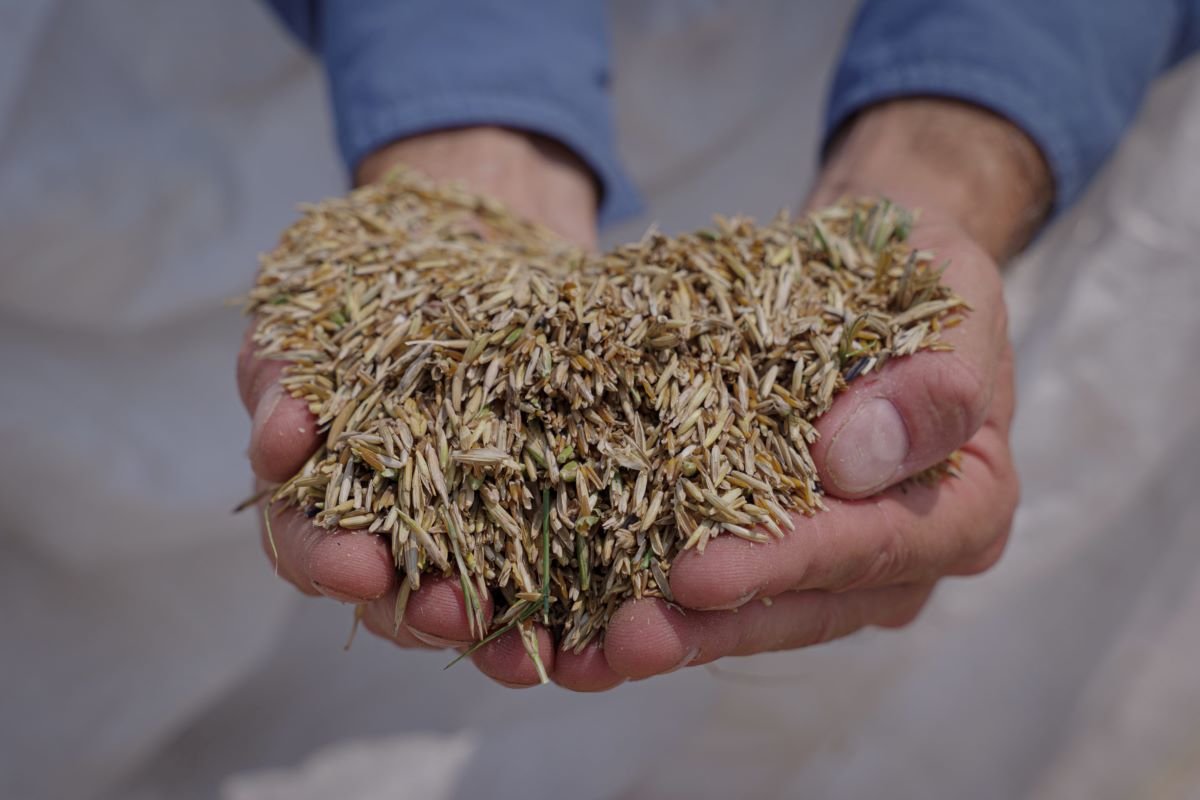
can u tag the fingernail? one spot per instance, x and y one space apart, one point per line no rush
730 606
334 594
434 641
688 658
866 453
266 406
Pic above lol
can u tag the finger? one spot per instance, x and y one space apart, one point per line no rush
350 566
505 661
915 411
252 379
283 569
649 637
380 619
586 671
437 614
433 617
283 432
911 533
283 435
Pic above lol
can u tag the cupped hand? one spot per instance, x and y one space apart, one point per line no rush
542 181
874 557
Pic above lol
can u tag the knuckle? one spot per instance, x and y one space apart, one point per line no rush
893 555
991 549
833 620
884 565
901 615
986 558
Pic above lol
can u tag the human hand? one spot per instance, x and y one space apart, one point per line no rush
543 182
874 557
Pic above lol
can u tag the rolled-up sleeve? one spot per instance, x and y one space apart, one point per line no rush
398 68
1070 73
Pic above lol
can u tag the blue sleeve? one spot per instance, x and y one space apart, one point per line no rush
398 68
1070 73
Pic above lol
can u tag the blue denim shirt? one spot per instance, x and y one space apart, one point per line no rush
1071 73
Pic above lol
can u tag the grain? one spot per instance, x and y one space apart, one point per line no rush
552 427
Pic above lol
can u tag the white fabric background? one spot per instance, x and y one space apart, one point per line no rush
149 150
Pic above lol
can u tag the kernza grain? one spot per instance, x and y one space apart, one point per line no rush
553 427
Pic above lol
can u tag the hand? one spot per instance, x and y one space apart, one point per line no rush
544 182
874 557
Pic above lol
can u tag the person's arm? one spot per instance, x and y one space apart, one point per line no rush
1071 74
397 70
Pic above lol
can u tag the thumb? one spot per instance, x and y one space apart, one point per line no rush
283 433
909 418
916 411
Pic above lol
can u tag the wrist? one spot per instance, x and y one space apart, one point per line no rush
959 162
534 176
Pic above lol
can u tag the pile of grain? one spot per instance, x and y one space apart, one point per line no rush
552 426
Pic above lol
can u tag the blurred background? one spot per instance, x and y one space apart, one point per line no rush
149 152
